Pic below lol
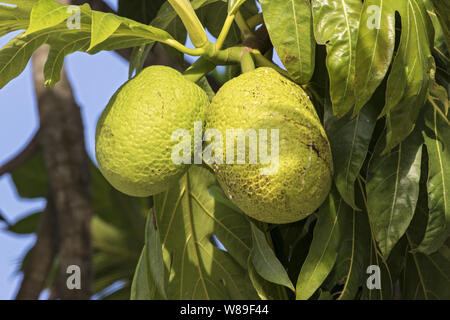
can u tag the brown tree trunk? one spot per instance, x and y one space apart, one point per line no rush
67 165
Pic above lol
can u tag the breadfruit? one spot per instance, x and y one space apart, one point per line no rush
263 99
133 138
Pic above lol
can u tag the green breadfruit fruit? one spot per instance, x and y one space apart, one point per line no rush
133 137
263 99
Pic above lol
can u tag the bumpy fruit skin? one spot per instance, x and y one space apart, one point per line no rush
133 137
263 99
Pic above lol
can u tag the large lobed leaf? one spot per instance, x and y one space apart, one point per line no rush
97 31
188 217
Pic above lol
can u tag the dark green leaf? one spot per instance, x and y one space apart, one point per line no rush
142 11
30 178
349 140
290 28
156 262
442 9
437 141
324 247
265 261
392 190
336 26
26 225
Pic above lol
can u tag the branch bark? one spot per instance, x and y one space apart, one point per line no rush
67 165
38 267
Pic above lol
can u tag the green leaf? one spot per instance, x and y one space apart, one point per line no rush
46 14
437 140
324 247
142 11
427 276
26 225
30 178
336 26
103 26
143 287
352 260
349 272
15 18
349 140
374 48
290 28
97 31
213 17
266 290
393 189
155 254
187 217
220 197
442 9
265 261
409 80
167 14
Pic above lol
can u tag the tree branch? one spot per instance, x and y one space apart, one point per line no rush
67 165
38 267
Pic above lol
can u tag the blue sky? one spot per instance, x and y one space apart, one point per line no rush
94 80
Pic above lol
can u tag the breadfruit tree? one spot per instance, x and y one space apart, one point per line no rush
304 155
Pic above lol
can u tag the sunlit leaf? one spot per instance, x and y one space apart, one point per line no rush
187 216
102 33
15 18
374 48
336 26
290 28
409 80
265 262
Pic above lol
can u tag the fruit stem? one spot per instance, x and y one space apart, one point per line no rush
190 20
243 26
255 20
199 69
247 63
264 62
224 32
177 45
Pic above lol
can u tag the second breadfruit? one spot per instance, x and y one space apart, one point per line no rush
263 99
